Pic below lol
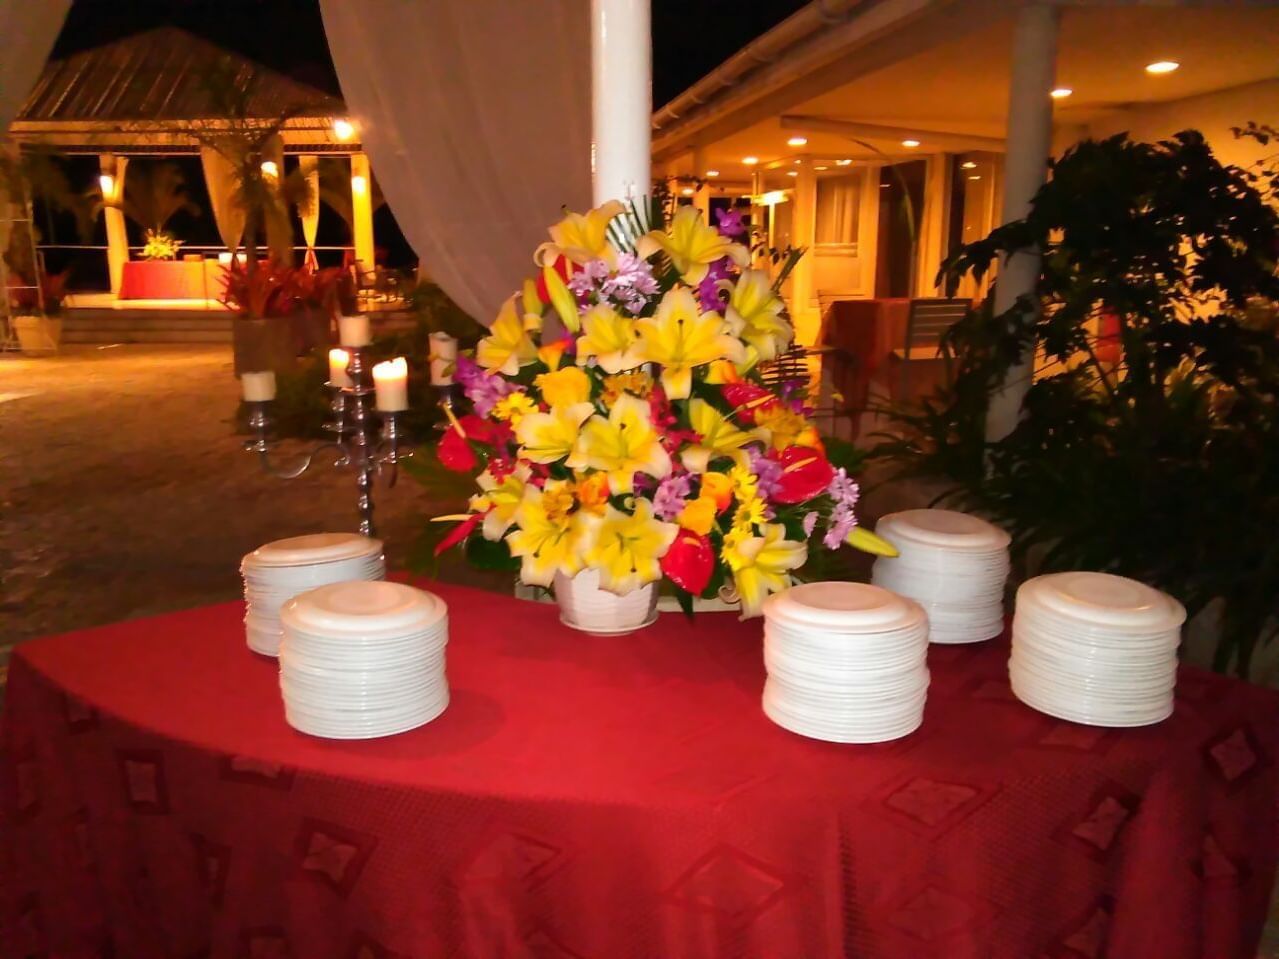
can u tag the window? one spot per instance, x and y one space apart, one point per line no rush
838 201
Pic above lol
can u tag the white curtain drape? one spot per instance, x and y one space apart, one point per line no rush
28 29
476 117
838 202
309 210
220 179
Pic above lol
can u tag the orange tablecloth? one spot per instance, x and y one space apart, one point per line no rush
172 280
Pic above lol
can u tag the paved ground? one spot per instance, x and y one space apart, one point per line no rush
124 492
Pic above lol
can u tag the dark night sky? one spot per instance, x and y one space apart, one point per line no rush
690 37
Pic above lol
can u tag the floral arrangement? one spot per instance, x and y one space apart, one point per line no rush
160 246
621 423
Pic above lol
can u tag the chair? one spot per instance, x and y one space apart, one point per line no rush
795 366
929 319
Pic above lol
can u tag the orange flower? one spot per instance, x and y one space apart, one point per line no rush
592 493
719 487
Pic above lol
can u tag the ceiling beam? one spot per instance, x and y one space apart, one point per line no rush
855 130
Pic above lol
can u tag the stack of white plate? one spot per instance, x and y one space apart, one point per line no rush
846 662
1095 648
278 571
363 659
952 564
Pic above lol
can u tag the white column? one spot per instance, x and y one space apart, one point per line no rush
362 210
621 99
1030 123
804 233
111 181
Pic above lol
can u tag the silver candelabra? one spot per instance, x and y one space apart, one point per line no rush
369 447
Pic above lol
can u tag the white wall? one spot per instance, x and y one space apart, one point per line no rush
1213 114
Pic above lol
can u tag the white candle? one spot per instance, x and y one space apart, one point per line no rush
354 330
258 387
391 379
443 358
338 359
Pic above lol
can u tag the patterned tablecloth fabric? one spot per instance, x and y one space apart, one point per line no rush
602 798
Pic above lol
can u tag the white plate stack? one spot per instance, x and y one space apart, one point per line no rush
847 662
1095 648
363 659
952 564
278 571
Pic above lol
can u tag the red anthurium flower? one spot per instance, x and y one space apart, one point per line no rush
747 399
561 266
689 562
805 473
458 533
455 453
488 432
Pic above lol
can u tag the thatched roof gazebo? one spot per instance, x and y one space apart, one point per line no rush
166 91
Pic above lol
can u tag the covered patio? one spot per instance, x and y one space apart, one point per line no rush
880 137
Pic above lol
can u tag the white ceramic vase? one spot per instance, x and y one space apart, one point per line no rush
583 605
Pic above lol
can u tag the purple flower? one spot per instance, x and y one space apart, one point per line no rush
630 284
671 496
730 222
810 522
843 489
767 472
842 522
708 293
481 388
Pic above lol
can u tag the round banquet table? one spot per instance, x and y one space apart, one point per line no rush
603 798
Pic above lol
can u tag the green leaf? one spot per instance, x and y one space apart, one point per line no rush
485 554
685 600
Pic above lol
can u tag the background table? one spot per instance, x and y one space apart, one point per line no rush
172 280
868 331
607 798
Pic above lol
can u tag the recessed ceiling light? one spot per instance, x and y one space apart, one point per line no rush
712 172
1162 66
968 165
821 168
750 161
688 191
797 141
792 173
798 162
884 186
911 144
843 162
1061 93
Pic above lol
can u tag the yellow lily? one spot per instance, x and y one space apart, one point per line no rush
610 338
548 538
622 445
627 549
692 245
868 542
551 353
564 387
508 345
562 299
549 437
784 427
582 237
761 565
499 500
754 313
680 337
719 437
532 302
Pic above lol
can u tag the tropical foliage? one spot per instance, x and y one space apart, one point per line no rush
1149 442
621 422
155 193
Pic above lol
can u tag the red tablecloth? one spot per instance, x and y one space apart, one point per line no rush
611 798
172 280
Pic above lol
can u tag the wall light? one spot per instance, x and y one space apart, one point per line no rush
1061 93
107 182
910 144
712 172
968 165
343 129
975 176
750 161
269 169
359 184
792 173
1162 66
797 141
772 198
821 168
688 191
843 162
